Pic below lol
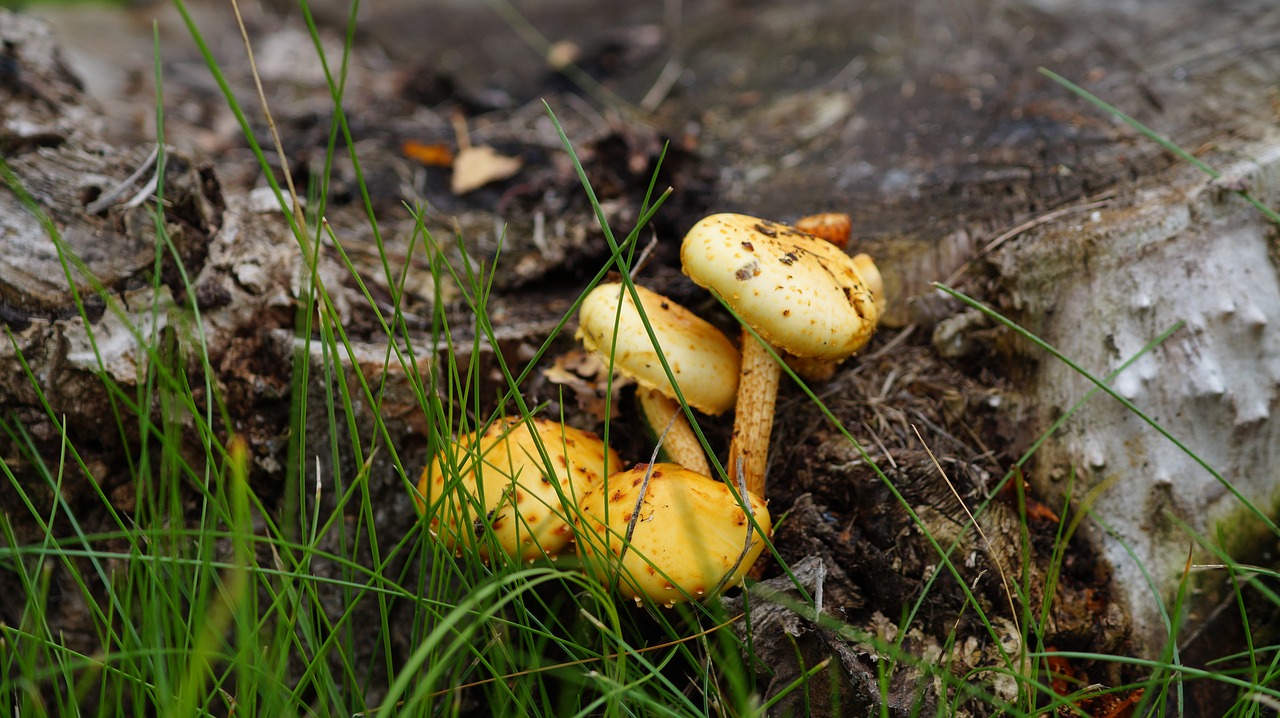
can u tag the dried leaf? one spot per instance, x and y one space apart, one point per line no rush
1065 679
588 377
1036 511
475 167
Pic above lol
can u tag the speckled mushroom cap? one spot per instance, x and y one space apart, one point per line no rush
801 293
690 533
705 363
505 482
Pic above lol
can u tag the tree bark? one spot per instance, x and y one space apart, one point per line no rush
1188 254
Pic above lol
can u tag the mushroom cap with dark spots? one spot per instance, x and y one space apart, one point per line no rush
688 534
799 292
500 474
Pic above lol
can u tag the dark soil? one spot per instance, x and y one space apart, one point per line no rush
926 121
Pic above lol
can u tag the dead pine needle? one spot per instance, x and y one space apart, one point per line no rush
298 216
751 521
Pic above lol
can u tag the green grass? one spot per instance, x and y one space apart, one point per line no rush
204 599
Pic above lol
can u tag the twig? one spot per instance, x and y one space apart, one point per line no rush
892 343
672 22
662 86
111 195
644 488
1267 701
876 438
643 259
751 522
145 193
587 111
460 132
819 582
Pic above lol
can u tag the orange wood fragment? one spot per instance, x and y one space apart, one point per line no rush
1112 705
431 155
1036 511
1063 678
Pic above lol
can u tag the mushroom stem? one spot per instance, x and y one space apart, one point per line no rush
753 418
679 442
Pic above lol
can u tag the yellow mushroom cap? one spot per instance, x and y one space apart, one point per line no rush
690 533
800 293
505 483
702 359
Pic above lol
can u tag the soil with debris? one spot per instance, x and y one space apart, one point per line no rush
926 121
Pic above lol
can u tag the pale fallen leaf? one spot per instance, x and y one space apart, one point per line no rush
475 167
588 377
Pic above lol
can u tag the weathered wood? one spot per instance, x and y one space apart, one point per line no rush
114 243
1184 252
90 287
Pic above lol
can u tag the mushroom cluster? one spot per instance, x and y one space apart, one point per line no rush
666 532
506 496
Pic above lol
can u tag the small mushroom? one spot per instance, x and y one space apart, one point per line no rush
703 361
670 534
870 274
504 487
835 227
801 294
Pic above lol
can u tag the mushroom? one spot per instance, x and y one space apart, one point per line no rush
703 361
670 534
504 484
870 273
801 294
835 227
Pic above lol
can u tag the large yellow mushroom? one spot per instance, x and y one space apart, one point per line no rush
503 486
703 361
801 294
670 534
